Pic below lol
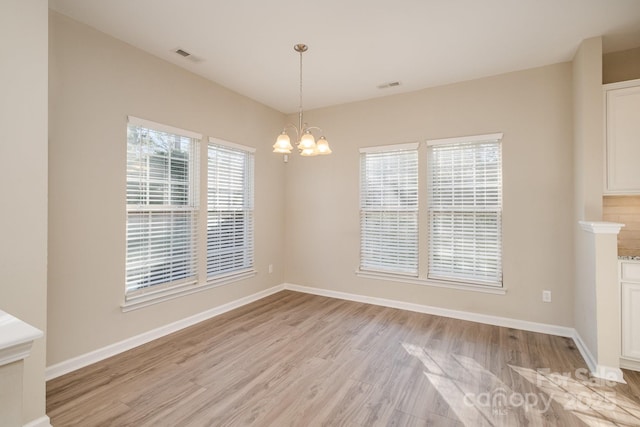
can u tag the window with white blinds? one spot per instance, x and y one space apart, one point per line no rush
389 209
465 209
162 205
229 208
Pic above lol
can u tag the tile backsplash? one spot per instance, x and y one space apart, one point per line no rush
626 210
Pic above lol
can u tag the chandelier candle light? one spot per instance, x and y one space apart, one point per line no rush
306 141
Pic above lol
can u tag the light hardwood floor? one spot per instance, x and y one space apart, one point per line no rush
294 359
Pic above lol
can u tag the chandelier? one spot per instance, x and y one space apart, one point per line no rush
306 142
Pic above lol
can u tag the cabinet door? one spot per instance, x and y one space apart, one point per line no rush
631 320
623 140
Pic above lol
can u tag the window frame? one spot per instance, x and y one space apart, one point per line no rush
200 282
475 210
158 210
377 209
423 230
248 209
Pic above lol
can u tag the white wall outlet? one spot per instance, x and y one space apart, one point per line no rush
270 268
546 296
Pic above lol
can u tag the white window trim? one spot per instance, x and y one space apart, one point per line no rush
214 140
464 139
234 276
161 295
391 147
464 286
163 128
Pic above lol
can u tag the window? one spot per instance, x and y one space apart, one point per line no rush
389 209
458 243
229 208
465 209
162 206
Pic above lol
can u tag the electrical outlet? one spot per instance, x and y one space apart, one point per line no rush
546 296
270 268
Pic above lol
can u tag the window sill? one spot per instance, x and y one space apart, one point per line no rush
144 300
487 289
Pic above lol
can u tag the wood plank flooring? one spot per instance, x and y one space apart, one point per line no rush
294 359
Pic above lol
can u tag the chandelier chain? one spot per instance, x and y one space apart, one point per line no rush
300 111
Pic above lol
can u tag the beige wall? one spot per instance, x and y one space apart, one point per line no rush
532 108
621 66
588 180
23 173
95 82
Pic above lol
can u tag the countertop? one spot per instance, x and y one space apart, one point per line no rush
16 337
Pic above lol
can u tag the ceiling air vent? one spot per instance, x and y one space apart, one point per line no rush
182 52
188 55
388 85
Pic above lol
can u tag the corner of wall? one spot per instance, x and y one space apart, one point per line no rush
588 131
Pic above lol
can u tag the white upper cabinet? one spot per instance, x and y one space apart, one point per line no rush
622 137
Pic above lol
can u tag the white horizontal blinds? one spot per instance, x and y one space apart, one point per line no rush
162 203
465 211
389 210
229 209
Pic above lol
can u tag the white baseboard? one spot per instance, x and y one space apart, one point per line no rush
610 373
43 421
625 363
83 360
585 352
525 325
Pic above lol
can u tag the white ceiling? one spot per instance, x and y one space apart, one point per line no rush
356 45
